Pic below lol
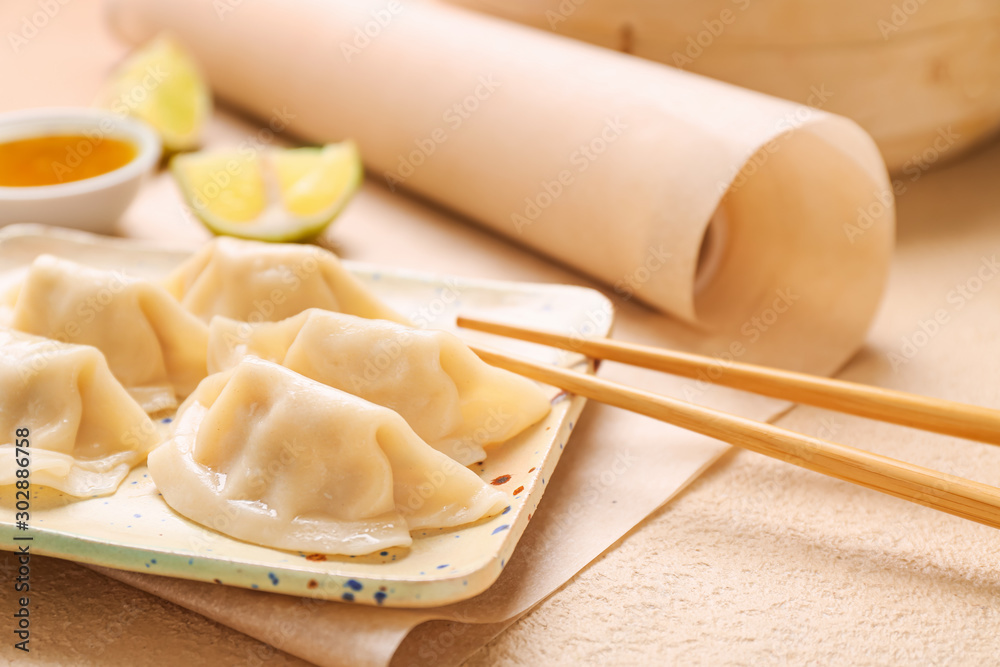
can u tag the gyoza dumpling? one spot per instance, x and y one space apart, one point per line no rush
451 398
264 282
154 347
85 431
271 457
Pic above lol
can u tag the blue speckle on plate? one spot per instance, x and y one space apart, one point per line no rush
500 528
380 597
254 586
273 577
137 516
505 509
441 567
153 561
166 420
190 561
347 597
383 553
353 584
502 563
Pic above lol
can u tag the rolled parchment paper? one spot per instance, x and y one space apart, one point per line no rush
765 224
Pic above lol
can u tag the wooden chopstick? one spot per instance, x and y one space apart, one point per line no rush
961 497
922 412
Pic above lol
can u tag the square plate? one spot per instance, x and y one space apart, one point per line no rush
134 529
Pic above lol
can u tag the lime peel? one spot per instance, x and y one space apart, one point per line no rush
161 84
279 195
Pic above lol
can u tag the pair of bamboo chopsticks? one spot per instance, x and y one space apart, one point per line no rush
947 493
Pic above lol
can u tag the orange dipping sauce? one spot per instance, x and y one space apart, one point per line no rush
55 159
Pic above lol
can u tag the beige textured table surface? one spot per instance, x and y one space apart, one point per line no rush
757 562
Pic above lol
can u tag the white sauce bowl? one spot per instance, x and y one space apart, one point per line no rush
91 204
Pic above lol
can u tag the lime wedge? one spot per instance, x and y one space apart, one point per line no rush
161 84
278 195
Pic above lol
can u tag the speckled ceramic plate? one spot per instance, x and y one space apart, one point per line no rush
135 530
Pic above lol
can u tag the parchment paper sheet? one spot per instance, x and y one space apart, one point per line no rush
797 291
610 164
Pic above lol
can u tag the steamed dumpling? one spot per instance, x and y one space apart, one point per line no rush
85 431
451 398
274 458
263 282
154 347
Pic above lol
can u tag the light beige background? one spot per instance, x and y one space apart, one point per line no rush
755 562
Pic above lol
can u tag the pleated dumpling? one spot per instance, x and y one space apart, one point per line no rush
270 457
451 398
154 347
85 431
253 281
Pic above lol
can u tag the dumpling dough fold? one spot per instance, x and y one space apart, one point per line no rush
452 399
268 456
85 431
154 347
253 281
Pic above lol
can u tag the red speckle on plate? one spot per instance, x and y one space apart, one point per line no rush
316 557
502 479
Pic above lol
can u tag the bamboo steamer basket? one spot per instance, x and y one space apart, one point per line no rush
922 77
